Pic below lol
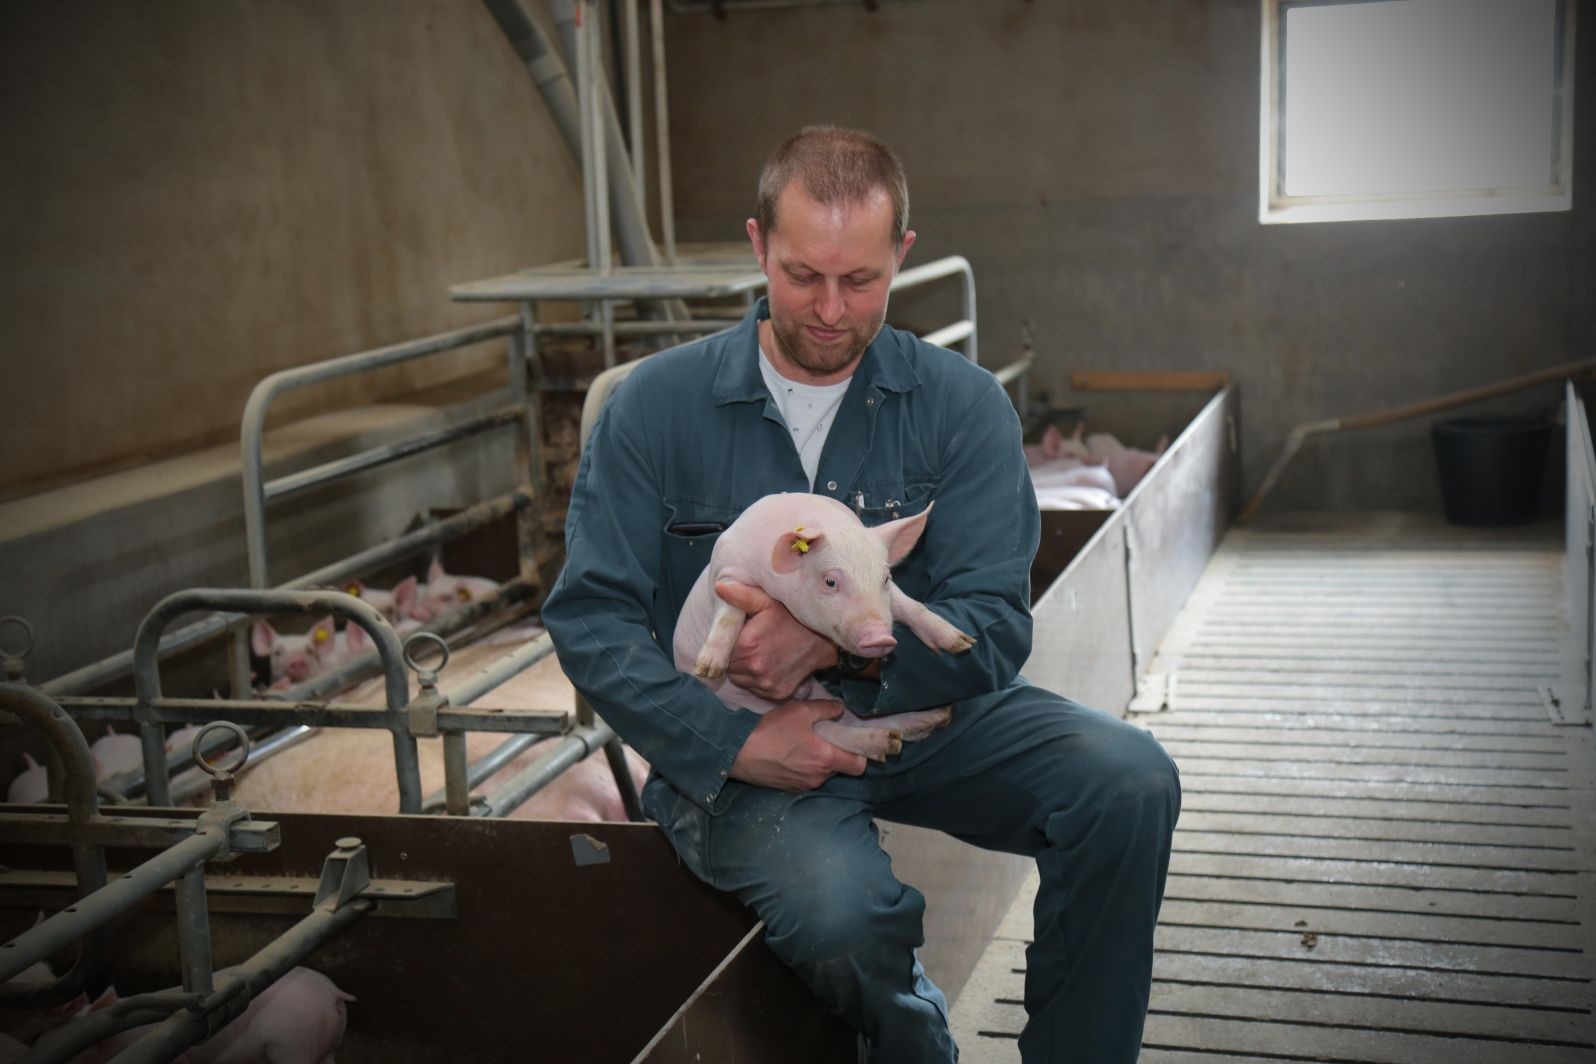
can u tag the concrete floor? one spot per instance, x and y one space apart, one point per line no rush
1388 850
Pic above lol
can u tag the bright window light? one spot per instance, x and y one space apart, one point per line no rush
1415 108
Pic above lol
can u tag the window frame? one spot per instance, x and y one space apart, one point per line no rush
1274 207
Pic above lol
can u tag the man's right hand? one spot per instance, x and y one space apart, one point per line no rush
784 753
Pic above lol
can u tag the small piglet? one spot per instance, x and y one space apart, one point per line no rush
299 1019
31 785
115 752
297 658
395 604
812 554
443 593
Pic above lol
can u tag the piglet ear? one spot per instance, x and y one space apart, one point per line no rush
435 572
404 594
261 638
900 536
32 764
1052 442
793 547
357 636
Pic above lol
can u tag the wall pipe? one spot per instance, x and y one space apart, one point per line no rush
1407 412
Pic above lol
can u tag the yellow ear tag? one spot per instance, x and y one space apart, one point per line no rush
465 594
353 589
320 635
800 544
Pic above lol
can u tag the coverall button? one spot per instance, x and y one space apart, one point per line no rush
831 485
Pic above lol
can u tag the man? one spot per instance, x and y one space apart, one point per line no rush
812 393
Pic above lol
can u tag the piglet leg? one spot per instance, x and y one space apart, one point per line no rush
932 629
915 725
877 744
723 628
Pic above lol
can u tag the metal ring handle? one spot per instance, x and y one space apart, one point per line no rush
411 649
27 635
216 771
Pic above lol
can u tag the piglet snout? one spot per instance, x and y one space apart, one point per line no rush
876 644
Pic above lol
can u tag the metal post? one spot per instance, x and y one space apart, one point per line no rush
662 131
634 91
194 931
457 787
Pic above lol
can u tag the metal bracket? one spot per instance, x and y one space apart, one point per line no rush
423 709
344 875
1156 693
1563 710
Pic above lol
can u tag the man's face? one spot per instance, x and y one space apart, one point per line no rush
829 271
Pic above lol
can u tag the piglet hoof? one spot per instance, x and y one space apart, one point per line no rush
708 670
959 643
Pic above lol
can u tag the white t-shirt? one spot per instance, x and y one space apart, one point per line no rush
808 410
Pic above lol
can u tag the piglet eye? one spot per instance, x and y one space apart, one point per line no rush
831 581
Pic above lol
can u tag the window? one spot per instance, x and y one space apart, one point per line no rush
1415 108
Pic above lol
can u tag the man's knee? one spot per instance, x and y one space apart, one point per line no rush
816 923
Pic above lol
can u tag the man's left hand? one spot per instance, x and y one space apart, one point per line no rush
774 655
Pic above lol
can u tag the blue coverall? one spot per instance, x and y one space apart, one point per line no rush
684 445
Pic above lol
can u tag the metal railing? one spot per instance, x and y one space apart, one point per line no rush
1579 572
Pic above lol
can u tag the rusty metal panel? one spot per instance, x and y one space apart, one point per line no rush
752 1010
1081 647
559 952
1175 518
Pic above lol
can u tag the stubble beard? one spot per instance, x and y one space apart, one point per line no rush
822 360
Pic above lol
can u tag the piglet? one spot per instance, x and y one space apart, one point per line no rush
114 752
395 604
812 554
297 658
299 1019
444 593
31 785
1127 464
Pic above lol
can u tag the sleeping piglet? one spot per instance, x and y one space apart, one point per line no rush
812 554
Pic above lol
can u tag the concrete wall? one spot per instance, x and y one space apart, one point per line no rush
1097 162
199 192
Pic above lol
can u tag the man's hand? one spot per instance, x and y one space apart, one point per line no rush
774 654
784 753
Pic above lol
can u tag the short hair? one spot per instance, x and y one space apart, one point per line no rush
835 166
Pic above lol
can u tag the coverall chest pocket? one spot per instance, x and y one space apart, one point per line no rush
691 528
891 500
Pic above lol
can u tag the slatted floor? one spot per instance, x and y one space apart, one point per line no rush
1388 850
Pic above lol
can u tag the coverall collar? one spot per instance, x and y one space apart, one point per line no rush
884 367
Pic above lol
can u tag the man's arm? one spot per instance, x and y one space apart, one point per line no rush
598 615
975 557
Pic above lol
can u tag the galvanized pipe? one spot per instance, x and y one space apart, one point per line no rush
194 930
950 334
238 987
662 134
946 267
119 665
637 328
147 680
457 789
92 912
306 479
502 671
630 35
570 750
261 396
88 860
485 766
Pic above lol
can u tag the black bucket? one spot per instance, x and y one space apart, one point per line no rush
1491 468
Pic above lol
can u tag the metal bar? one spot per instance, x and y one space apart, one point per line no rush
616 756
31 828
485 766
147 680
571 750
241 985
946 267
1394 414
91 912
119 665
503 670
637 328
88 860
630 35
357 669
662 132
260 399
457 788
1015 370
194 931
312 714
950 334
530 535
380 456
